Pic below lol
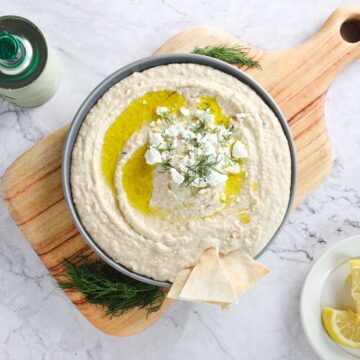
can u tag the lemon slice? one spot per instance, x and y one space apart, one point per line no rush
342 326
355 282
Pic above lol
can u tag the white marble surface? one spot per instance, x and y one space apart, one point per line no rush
36 319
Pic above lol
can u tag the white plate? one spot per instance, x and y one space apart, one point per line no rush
326 285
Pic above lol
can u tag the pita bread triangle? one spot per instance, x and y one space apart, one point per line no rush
243 270
208 281
179 283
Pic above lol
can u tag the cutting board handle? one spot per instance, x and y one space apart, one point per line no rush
307 71
336 44
344 23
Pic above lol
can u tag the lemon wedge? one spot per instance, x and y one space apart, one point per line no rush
343 326
355 282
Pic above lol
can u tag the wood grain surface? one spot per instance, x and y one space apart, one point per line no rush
297 79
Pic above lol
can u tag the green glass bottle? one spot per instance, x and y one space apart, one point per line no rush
29 72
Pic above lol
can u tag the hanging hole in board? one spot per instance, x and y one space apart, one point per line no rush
350 30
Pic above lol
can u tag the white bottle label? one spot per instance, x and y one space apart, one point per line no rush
40 90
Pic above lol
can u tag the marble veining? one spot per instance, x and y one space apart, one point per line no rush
91 40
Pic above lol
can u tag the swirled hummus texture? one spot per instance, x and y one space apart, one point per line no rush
154 220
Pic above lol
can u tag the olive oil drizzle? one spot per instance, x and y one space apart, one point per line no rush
137 181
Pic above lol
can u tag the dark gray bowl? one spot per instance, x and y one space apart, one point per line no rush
114 78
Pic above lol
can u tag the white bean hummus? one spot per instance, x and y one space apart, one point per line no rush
175 160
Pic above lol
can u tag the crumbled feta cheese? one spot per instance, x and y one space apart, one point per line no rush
220 157
212 138
222 129
152 156
176 177
161 110
215 178
200 183
185 163
165 155
173 130
226 151
212 158
239 150
205 116
183 166
208 149
155 139
187 134
207 138
184 111
200 138
234 168
203 191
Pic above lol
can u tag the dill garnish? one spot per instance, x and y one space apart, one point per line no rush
232 55
200 127
167 118
102 285
165 166
200 170
226 137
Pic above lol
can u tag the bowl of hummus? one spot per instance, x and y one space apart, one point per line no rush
175 154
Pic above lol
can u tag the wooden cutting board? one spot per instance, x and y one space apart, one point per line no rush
297 79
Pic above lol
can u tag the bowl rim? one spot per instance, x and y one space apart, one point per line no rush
139 66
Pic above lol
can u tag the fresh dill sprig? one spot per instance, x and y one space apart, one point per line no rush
234 160
193 142
226 137
169 145
168 140
167 118
201 169
231 55
102 285
200 127
165 166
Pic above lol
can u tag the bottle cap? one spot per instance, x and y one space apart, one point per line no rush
9 48
16 54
